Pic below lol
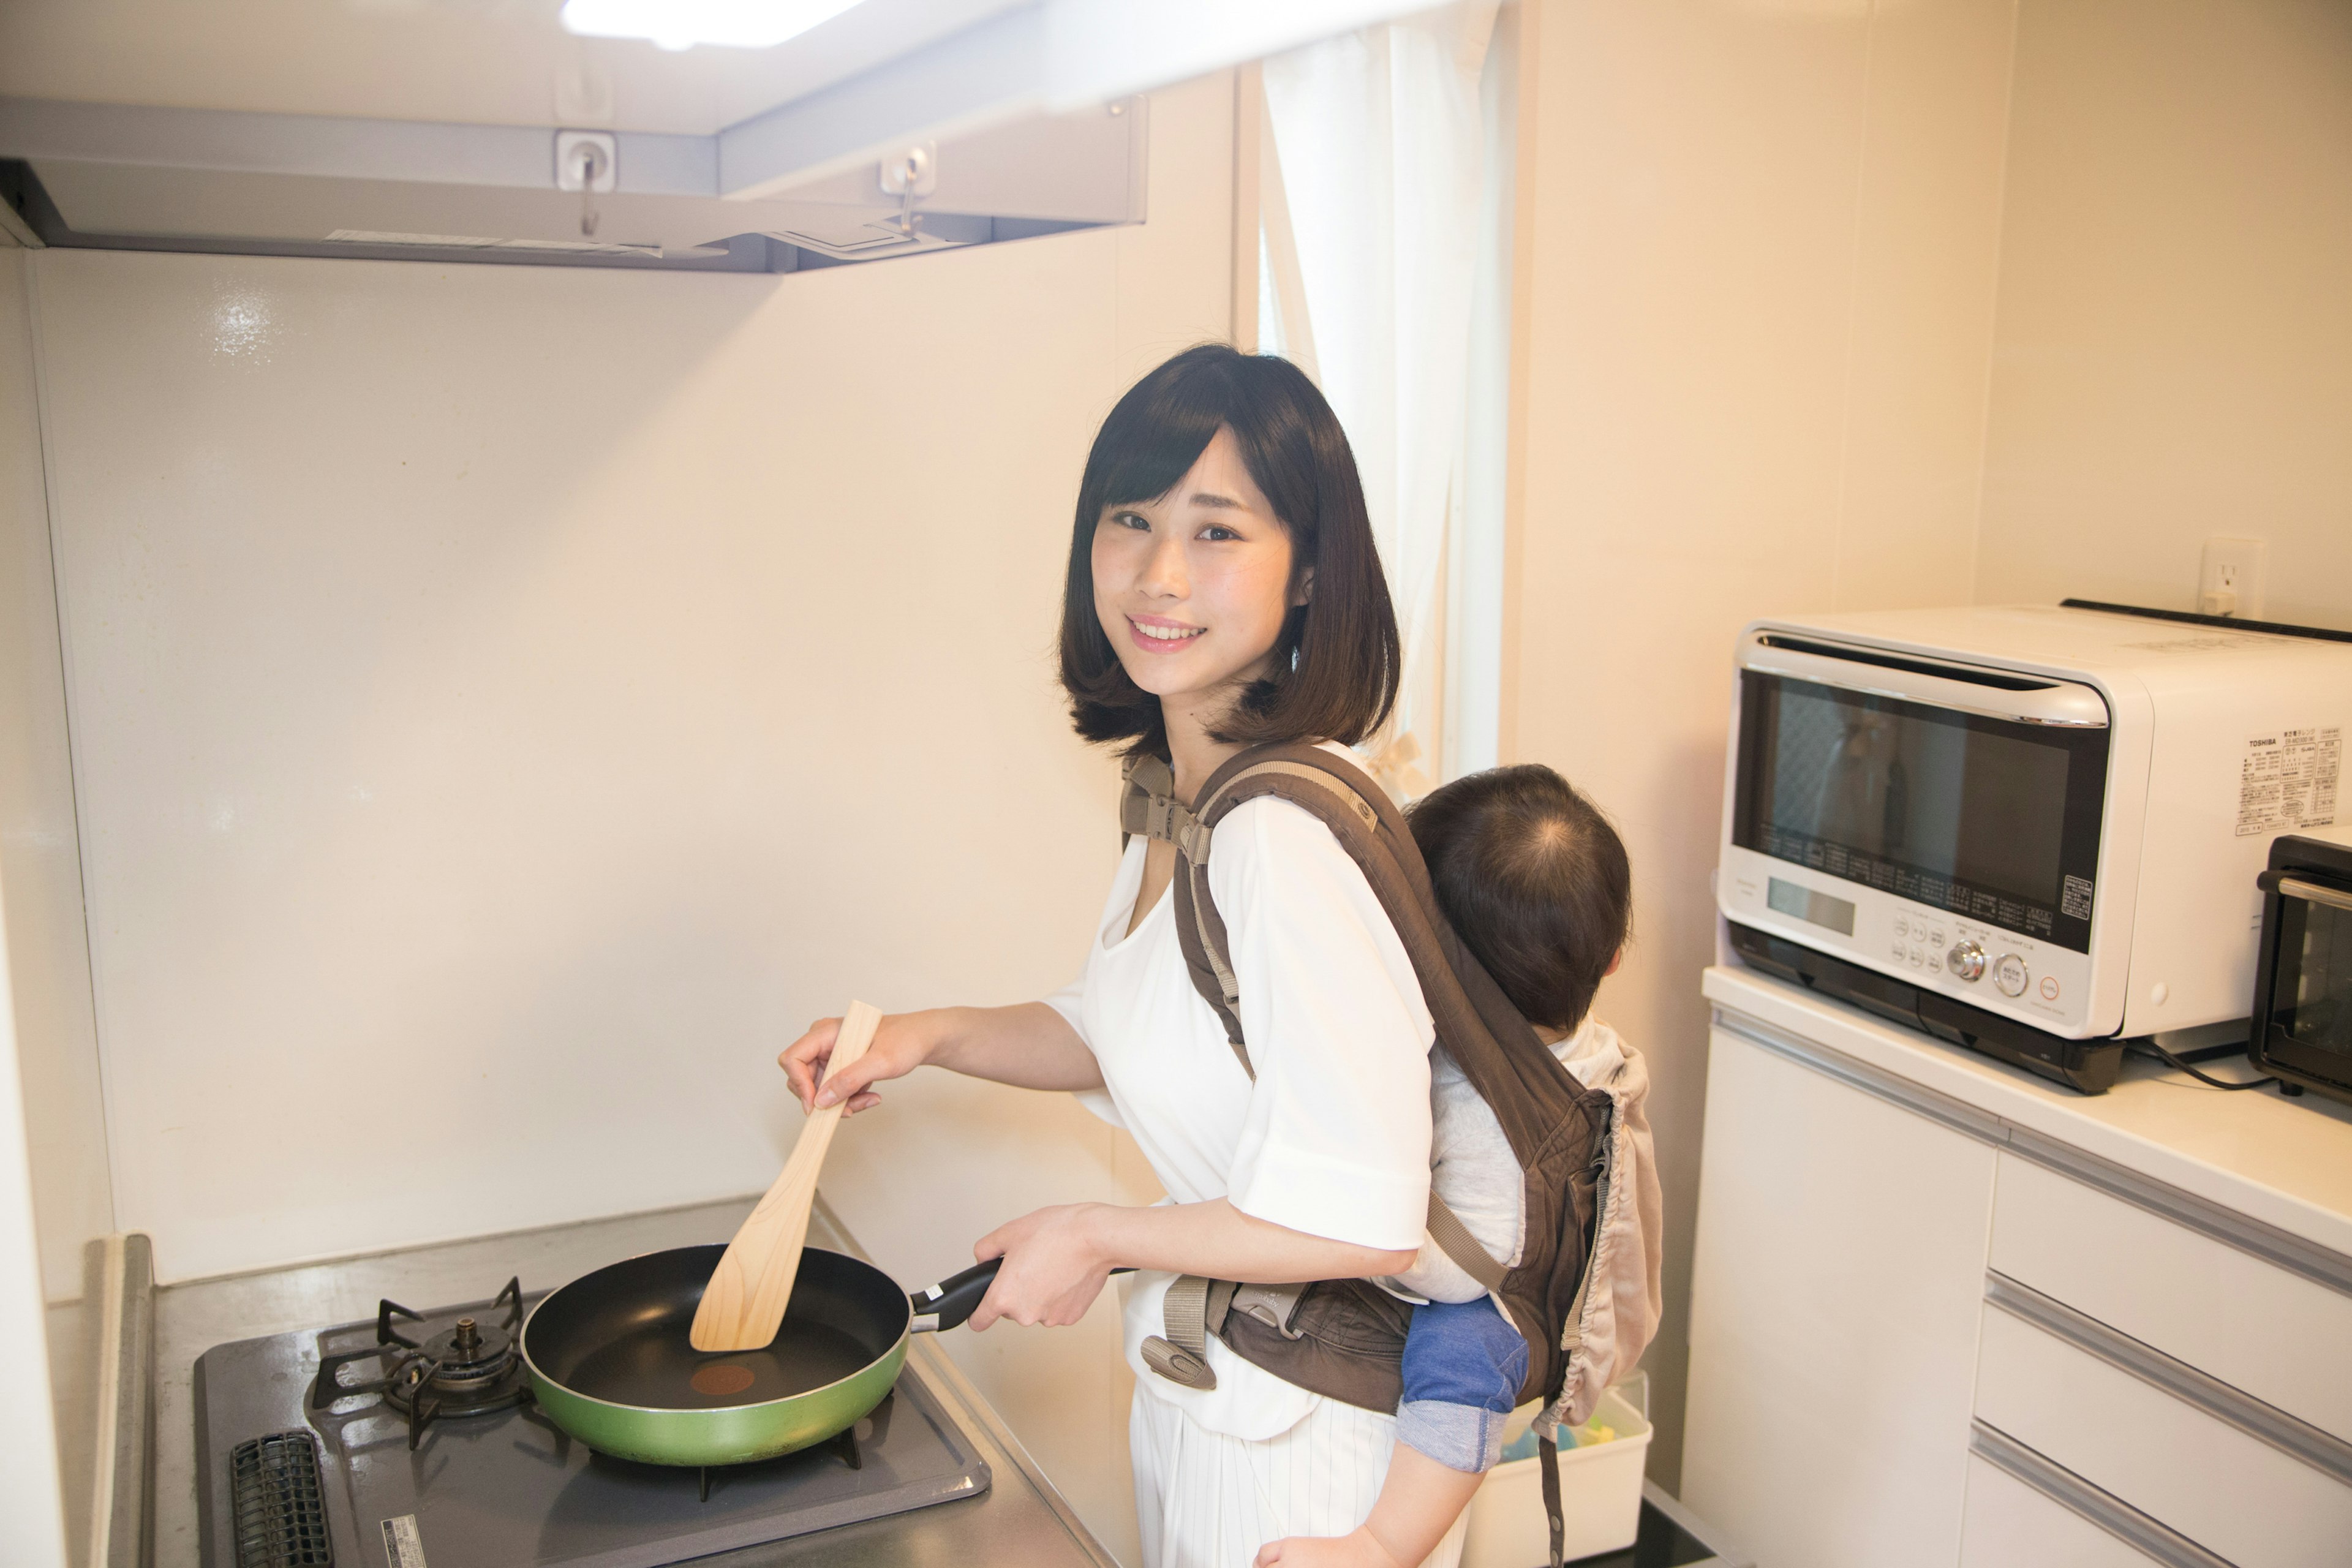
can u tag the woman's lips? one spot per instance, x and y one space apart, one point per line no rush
1184 637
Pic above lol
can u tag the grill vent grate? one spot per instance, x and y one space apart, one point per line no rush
281 1517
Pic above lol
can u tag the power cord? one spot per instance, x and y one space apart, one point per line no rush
2146 1047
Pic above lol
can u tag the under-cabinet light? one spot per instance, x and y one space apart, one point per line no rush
682 23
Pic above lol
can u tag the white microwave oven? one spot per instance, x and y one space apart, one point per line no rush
2033 830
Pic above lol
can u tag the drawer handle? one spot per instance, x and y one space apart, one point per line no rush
2080 1498
2298 1439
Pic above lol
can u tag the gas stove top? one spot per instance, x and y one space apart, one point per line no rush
411 1442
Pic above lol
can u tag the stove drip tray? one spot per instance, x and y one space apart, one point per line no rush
485 1480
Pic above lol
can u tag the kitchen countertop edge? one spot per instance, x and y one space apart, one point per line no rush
2201 1164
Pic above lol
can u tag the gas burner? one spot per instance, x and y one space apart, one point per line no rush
470 1368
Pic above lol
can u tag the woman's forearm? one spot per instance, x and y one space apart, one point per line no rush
1218 1240
1056 1259
1029 1046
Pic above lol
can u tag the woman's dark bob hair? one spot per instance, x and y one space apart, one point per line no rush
1335 669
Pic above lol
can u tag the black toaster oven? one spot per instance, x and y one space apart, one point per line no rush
2301 1024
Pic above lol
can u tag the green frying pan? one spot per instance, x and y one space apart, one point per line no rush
609 1361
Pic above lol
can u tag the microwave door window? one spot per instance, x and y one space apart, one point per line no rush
1940 798
1839 776
1867 781
1932 806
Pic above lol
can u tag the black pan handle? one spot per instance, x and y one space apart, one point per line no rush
947 1304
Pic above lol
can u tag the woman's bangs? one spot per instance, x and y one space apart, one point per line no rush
1145 451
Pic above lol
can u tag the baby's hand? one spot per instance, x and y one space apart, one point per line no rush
1357 1549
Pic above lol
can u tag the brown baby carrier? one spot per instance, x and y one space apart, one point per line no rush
1345 1337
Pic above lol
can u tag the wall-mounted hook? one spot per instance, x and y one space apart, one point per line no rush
912 171
587 162
591 165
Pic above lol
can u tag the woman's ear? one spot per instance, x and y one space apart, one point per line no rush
1306 589
1614 964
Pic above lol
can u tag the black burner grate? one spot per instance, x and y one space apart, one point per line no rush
281 1520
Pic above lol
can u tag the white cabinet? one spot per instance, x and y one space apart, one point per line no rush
1839 1262
1943 1314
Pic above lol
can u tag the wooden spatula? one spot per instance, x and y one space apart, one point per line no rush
744 1302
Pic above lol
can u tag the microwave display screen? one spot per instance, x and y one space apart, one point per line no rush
1988 819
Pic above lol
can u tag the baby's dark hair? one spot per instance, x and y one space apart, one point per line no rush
1535 881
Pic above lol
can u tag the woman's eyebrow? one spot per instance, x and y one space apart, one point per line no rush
1211 499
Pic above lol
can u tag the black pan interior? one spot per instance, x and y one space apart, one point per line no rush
620 1334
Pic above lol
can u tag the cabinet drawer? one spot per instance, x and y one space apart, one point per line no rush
2230 1492
2008 1524
2276 1335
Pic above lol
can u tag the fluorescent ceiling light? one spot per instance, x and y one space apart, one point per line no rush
682 23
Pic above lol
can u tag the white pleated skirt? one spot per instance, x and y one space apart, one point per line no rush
1206 1500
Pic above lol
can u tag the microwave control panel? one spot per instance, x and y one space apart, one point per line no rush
2034 980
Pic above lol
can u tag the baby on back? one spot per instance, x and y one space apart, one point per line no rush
1535 883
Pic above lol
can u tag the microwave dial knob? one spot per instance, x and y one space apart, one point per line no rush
1966 960
2010 974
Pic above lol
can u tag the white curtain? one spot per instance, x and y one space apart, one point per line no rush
1371 194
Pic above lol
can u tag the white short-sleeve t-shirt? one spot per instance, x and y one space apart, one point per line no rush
1332 1138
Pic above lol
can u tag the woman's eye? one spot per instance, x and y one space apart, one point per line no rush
1132 520
1216 533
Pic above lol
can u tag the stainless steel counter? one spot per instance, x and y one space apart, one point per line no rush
1022 1520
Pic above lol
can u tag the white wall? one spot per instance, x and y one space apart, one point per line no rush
45 996
40 865
1756 276
509 703
2176 304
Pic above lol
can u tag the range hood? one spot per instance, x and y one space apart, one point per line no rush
413 130
134 177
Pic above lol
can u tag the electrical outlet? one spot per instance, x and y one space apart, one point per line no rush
2230 583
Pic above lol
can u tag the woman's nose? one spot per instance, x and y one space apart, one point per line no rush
1164 573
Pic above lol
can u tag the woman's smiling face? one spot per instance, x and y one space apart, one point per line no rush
1192 587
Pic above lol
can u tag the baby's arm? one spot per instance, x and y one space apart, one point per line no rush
1463 1368
1418 1504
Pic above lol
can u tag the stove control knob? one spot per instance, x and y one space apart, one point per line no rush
1966 960
2010 974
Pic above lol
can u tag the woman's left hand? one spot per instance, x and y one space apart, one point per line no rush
1053 1267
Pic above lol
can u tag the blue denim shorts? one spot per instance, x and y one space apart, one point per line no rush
1463 1368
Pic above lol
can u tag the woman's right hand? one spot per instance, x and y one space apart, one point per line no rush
902 1041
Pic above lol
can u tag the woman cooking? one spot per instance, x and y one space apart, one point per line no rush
1223 590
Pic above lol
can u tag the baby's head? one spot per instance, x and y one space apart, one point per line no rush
1535 881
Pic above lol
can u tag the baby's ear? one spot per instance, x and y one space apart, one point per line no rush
1615 959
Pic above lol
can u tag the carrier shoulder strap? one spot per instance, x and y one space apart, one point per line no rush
1320 784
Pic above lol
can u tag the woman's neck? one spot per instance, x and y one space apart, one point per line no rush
1192 752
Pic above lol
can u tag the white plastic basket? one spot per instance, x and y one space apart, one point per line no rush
1599 1490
